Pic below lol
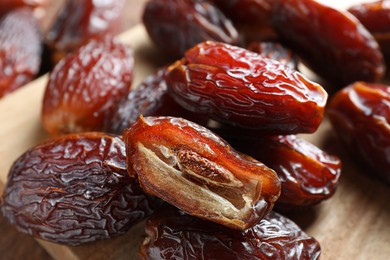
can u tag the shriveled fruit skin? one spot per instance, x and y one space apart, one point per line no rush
86 87
81 21
74 189
20 49
308 174
193 169
332 43
10 5
177 25
360 114
175 235
239 87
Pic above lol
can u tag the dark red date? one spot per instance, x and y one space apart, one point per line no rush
177 25
360 114
239 87
193 169
175 235
20 50
73 190
332 43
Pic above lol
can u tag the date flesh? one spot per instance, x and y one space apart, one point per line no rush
74 189
177 25
175 235
81 21
193 169
332 43
360 114
239 87
86 87
19 62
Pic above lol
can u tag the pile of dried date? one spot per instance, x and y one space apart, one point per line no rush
206 148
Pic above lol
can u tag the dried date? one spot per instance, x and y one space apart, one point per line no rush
86 87
19 62
81 21
175 235
332 43
193 169
74 189
239 87
177 25
360 114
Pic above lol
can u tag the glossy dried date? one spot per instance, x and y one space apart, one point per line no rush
332 43
239 87
177 25
195 170
308 174
19 62
74 189
81 21
86 87
360 114
175 235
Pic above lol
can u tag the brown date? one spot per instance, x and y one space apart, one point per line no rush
308 175
332 43
239 87
193 169
177 25
9 5
74 189
175 235
375 16
150 98
360 114
19 62
81 21
86 87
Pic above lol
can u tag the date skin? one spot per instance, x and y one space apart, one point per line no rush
150 98
375 16
193 169
74 189
334 44
175 235
239 87
86 87
19 62
360 114
308 174
177 25
81 21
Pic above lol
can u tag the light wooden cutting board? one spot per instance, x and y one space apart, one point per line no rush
353 224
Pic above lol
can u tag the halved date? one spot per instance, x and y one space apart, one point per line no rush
195 170
360 114
332 43
175 235
239 87
74 189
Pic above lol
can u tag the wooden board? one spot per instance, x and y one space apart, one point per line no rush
353 224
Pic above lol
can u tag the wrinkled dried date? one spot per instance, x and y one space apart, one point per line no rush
177 25
74 189
332 43
175 235
86 87
19 62
193 169
239 87
80 21
360 114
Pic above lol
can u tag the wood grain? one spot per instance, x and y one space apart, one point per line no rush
353 224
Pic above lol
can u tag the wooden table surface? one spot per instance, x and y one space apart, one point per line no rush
14 245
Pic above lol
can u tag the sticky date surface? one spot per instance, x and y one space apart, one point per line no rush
193 169
74 189
175 235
